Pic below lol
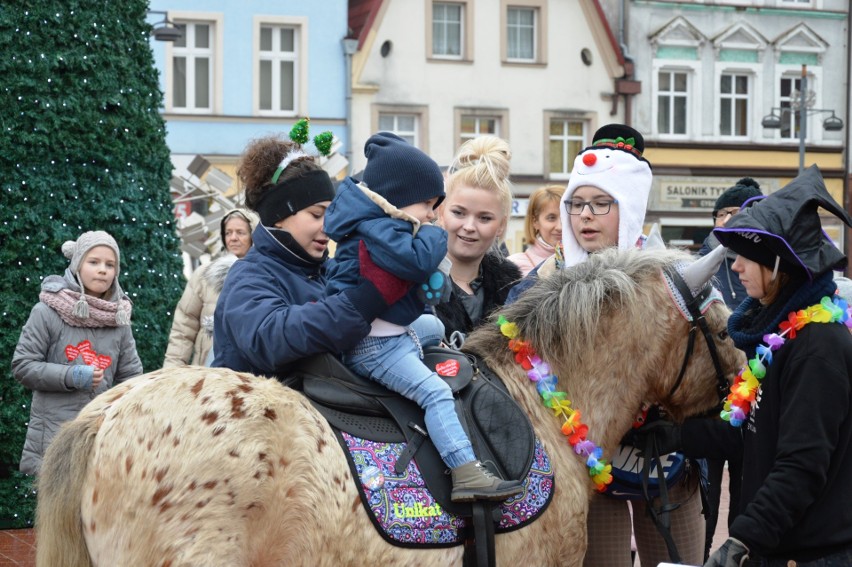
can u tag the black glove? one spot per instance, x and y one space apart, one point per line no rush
665 433
733 553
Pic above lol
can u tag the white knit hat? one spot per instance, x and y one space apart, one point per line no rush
620 174
76 251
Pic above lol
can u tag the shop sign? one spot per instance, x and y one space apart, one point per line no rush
676 194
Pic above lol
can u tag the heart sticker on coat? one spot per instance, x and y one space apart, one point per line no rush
71 352
448 367
103 361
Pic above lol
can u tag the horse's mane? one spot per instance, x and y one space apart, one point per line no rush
568 307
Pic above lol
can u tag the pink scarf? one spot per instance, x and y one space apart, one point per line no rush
101 313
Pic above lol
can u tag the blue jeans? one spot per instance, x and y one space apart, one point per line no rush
395 363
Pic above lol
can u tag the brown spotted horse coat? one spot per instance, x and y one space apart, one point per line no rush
201 466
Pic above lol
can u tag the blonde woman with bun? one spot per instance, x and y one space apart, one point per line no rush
542 228
475 214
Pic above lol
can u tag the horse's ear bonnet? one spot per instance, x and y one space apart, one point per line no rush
786 225
654 240
697 274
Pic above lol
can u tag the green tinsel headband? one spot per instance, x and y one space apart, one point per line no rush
299 134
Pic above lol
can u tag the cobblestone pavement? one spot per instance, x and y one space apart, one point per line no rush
17 548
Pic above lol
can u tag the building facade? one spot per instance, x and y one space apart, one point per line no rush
231 72
722 88
699 78
542 74
242 70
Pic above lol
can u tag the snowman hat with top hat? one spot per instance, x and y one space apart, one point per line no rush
613 164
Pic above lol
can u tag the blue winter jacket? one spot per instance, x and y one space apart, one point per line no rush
395 240
727 280
273 310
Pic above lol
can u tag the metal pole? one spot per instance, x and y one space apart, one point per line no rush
348 153
803 118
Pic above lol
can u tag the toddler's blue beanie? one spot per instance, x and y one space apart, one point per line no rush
401 173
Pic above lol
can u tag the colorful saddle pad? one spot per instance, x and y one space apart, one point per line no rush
406 513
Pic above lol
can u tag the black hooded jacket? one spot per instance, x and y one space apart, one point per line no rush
797 439
498 277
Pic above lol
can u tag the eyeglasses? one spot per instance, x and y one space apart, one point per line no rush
600 207
725 213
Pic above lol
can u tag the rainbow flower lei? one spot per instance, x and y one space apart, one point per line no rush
743 391
539 373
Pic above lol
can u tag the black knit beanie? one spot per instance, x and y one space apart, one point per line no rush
401 173
735 196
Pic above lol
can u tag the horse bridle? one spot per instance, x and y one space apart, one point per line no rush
693 306
660 515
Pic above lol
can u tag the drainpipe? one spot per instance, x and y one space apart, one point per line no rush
627 86
622 43
350 46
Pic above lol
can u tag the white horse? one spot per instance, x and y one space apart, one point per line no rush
201 466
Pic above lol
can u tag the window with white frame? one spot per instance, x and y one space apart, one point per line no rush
521 33
734 104
790 93
447 30
403 125
672 99
278 69
566 139
192 68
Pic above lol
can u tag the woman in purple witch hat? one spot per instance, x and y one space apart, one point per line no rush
793 403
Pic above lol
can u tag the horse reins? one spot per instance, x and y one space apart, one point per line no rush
693 306
660 516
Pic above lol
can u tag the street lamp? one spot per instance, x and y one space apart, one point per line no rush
773 120
165 29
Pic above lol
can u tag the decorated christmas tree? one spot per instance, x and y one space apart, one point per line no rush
83 148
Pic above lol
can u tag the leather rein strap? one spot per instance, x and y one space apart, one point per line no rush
660 515
693 305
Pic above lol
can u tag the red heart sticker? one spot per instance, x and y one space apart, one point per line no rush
103 361
89 356
84 345
448 367
71 352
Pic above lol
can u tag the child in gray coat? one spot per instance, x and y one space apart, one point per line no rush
77 341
